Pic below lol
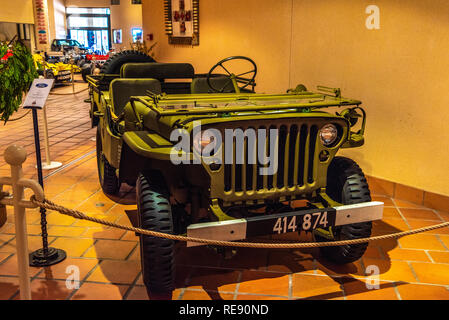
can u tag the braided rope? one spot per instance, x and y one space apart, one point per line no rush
21 117
47 204
67 94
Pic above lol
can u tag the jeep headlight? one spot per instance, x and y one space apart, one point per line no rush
328 134
203 139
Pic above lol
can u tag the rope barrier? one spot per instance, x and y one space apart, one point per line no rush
47 204
66 94
52 93
21 117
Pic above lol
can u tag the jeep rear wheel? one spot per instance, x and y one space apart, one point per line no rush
156 254
106 173
347 184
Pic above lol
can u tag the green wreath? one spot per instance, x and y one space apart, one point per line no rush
17 72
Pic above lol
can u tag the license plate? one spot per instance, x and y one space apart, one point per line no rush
306 220
279 223
64 77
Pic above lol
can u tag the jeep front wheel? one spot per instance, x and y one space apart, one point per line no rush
347 184
106 173
156 254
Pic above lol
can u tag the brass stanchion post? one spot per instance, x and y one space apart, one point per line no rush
15 156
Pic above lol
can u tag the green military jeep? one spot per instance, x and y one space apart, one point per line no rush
212 159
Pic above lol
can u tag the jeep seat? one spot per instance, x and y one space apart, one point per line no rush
199 85
175 78
120 90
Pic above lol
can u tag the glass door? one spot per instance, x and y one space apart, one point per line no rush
91 27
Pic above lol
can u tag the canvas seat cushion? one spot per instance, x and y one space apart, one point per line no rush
121 90
200 85
158 70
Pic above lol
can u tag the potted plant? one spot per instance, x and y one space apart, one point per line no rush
17 72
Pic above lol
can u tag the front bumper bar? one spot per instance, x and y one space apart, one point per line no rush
301 220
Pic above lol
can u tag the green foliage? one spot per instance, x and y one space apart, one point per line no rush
17 72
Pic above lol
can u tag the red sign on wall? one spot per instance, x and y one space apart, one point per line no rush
41 18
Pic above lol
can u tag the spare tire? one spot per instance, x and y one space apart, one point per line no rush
85 70
115 62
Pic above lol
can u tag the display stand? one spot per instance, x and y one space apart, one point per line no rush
48 165
36 98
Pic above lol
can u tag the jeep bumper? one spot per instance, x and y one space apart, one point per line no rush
301 220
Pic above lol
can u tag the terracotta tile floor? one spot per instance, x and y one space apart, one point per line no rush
415 267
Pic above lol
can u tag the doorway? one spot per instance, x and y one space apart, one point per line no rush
91 27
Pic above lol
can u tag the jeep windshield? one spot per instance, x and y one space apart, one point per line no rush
210 103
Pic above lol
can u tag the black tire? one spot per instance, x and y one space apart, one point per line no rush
115 62
347 184
93 119
48 74
106 173
156 254
85 71
3 215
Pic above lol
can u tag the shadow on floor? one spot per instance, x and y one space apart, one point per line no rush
126 195
203 268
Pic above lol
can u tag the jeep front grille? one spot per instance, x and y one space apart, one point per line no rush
299 170
296 150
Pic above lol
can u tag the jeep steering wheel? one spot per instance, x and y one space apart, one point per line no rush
234 79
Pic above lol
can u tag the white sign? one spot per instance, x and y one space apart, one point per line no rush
38 94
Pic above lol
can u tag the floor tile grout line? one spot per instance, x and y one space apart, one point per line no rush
186 282
91 246
342 287
7 242
239 294
413 271
400 213
53 144
429 256
131 252
71 163
414 219
131 286
381 253
337 278
97 265
85 237
69 188
290 286
396 290
438 215
181 294
441 241
83 202
7 258
317 274
315 266
237 286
